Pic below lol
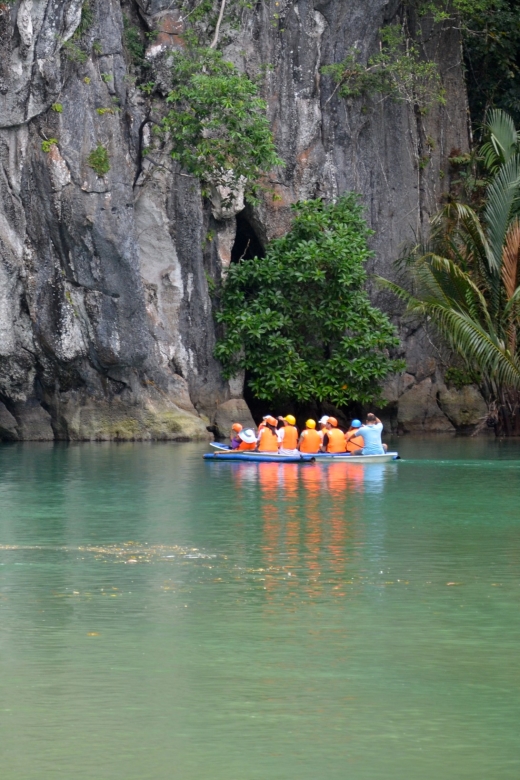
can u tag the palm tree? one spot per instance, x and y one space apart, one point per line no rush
466 279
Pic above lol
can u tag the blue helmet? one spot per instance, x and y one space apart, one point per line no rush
355 424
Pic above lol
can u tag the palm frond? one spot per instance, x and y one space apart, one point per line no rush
512 307
503 139
479 347
501 195
510 258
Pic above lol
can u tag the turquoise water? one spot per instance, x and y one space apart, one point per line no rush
166 618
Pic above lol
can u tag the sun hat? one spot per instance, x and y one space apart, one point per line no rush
356 424
248 436
290 419
236 427
324 420
310 424
332 421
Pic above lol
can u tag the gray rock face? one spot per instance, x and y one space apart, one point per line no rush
419 411
465 408
106 322
233 411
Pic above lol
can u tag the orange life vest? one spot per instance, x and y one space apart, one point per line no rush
336 440
355 444
268 441
290 437
245 446
311 441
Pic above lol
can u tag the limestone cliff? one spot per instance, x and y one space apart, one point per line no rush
106 325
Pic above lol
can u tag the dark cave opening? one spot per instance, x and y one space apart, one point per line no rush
247 244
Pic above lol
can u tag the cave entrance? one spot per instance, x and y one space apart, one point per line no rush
247 244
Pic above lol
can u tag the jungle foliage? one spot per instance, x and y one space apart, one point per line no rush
466 280
299 320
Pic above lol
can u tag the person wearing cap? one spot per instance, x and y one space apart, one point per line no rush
371 435
267 436
322 423
288 436
334 438
310 440
233 436
247 440
354 443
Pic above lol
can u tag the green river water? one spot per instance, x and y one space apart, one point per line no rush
165 618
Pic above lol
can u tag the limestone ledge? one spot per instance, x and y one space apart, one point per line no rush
102 421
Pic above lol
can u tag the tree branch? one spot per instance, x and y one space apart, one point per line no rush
213 44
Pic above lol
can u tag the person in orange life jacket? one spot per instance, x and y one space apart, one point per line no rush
322 423
288 436
334 438
310 440
247 440
354 443
234 441
267 436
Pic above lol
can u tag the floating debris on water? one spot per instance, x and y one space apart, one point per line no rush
139 553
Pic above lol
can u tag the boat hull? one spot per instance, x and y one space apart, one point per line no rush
257 457
328 457
321 457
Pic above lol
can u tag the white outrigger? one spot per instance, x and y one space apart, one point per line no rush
345 458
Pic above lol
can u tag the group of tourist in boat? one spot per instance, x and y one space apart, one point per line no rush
280 435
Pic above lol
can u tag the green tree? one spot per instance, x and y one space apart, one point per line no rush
466 280
217 123
299 320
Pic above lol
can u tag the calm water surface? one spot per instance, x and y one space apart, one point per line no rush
164 618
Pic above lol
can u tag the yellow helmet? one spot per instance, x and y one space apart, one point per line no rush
290 419
310 424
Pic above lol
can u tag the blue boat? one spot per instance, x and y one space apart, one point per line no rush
257 457
224 452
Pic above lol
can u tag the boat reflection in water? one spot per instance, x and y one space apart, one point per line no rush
311 521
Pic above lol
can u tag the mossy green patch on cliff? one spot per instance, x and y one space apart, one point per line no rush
99 161
134 44
48 144
125 429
